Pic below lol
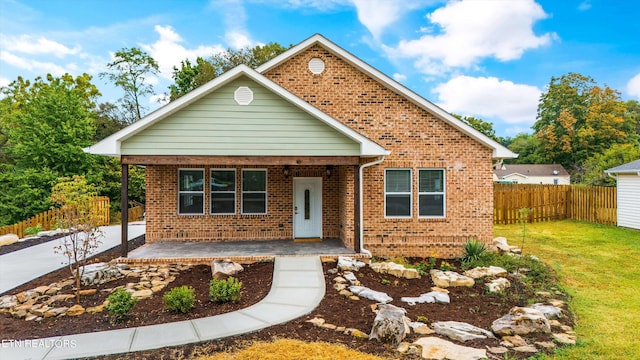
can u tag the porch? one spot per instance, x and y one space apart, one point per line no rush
204 252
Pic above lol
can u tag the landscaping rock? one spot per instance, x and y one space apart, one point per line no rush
500 243
565 339
397 270
520 321
498 350
526 349
346 263
420 328
547 345
429 298
512 341
221 268
445 279
100 273
142 294
549 311
480 272
367 293
8 301
438 349
75 310
498 285
390 325
351 278
460 331
8 239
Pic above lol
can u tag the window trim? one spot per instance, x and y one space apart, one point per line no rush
235 191
399 193
265 192
180 192
443 193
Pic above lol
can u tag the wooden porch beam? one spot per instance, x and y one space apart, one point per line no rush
124 211
238 160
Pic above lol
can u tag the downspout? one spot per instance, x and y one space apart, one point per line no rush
362 167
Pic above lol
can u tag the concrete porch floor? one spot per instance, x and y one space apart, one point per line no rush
203 252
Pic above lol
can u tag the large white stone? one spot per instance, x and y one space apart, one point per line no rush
500 243
549 311
367 293
347 263
8 239
460 331
429 298
498 285
479 272
390 325
224 268
438 349
445 279
520 321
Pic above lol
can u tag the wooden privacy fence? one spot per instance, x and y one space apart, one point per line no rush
554 202
136 213
49 218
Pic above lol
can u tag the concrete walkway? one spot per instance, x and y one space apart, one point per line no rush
298 287
19 267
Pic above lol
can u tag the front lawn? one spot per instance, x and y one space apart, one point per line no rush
599 267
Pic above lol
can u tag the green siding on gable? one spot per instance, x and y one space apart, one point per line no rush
217 125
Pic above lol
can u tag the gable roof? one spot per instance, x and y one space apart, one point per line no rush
111 145
527 170
499 151
628 168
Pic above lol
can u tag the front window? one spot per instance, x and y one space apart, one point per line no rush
254 191
431 193
223 191
397 193
191 192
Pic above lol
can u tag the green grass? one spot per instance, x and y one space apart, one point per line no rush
599 267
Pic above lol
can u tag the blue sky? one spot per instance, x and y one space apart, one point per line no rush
485 58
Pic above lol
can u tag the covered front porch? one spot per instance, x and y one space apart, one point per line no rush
238 251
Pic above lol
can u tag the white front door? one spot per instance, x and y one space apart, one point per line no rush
307 207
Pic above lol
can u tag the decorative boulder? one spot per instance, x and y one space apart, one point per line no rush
390 325
521 321
222 268
346 263
429 298
498 285
351 278
479 272
367 293
436 348
100 273
8 239
549 311
500 243
460 331
445 279
395 269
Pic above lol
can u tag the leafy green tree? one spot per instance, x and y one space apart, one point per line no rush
484 127
50 121
130 71
24 192
191 76
578 119
109 119
527 147
616 155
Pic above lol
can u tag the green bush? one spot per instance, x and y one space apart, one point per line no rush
180 299
120 303
473 249
225 290
34 230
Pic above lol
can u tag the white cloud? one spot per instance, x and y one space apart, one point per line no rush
633 86
399 77
472 30
238 40
33 65
161 99
585 5
31 45
489 97
169 52
235 23
4 82
376 15
322 5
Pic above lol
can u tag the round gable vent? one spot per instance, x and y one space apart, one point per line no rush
316 66
243 95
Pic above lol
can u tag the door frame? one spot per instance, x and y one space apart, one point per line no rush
318 185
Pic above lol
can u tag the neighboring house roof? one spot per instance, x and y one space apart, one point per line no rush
527 170
628 168
499 151
111 145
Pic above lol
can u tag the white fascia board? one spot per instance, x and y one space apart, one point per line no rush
499 151
516 174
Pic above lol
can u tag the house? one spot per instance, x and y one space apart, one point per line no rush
628 193
551 174
312 144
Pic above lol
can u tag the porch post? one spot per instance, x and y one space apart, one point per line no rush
356 209
124 211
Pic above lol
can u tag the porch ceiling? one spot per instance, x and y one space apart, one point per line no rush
238 160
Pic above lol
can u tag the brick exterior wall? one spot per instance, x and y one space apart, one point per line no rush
417 139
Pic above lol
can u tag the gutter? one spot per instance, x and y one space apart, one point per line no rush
362 167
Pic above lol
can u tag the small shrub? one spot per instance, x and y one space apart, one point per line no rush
120 303
385 282
432 262
33 230
180 299
225 290
473 249
422 319
422 268
446 266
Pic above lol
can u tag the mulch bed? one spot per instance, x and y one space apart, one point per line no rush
471 305
25 244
